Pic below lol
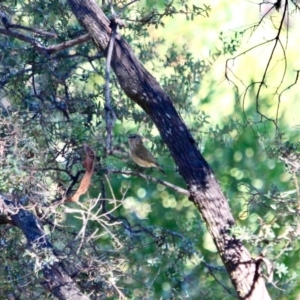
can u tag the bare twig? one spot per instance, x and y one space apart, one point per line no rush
125 6
37 45
211 272
287 88
150 178
37 31
5 21
23 38
110 117
277 41
67 44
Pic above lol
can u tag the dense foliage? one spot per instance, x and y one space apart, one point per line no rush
128 235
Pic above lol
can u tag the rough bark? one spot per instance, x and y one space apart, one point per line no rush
57 281
140 86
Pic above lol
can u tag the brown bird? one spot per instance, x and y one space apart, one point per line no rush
140 154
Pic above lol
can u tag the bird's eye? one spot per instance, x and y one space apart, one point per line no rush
132 136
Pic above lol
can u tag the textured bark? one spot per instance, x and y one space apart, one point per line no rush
205 192
57 281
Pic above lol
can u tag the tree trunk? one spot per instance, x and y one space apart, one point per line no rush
140 86
57 281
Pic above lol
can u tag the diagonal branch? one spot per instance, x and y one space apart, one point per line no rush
57 281
68 44
142 88
37 31
45 50
110 117
150 178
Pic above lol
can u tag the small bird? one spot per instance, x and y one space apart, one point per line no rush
140 154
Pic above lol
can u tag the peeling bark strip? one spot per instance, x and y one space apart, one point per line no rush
88 164
204 190
57 281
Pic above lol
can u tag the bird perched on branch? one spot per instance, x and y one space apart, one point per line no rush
140 154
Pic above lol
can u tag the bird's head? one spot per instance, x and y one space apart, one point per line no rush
135 139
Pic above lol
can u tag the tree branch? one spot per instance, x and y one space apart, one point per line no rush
48 50
142 88
110 117
150 178
37 31
57 281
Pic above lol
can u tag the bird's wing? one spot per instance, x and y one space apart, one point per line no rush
145 154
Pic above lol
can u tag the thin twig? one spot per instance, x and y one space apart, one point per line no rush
149 178
110 117
23 38
125 6
210 270
68 44
37 45
37 31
